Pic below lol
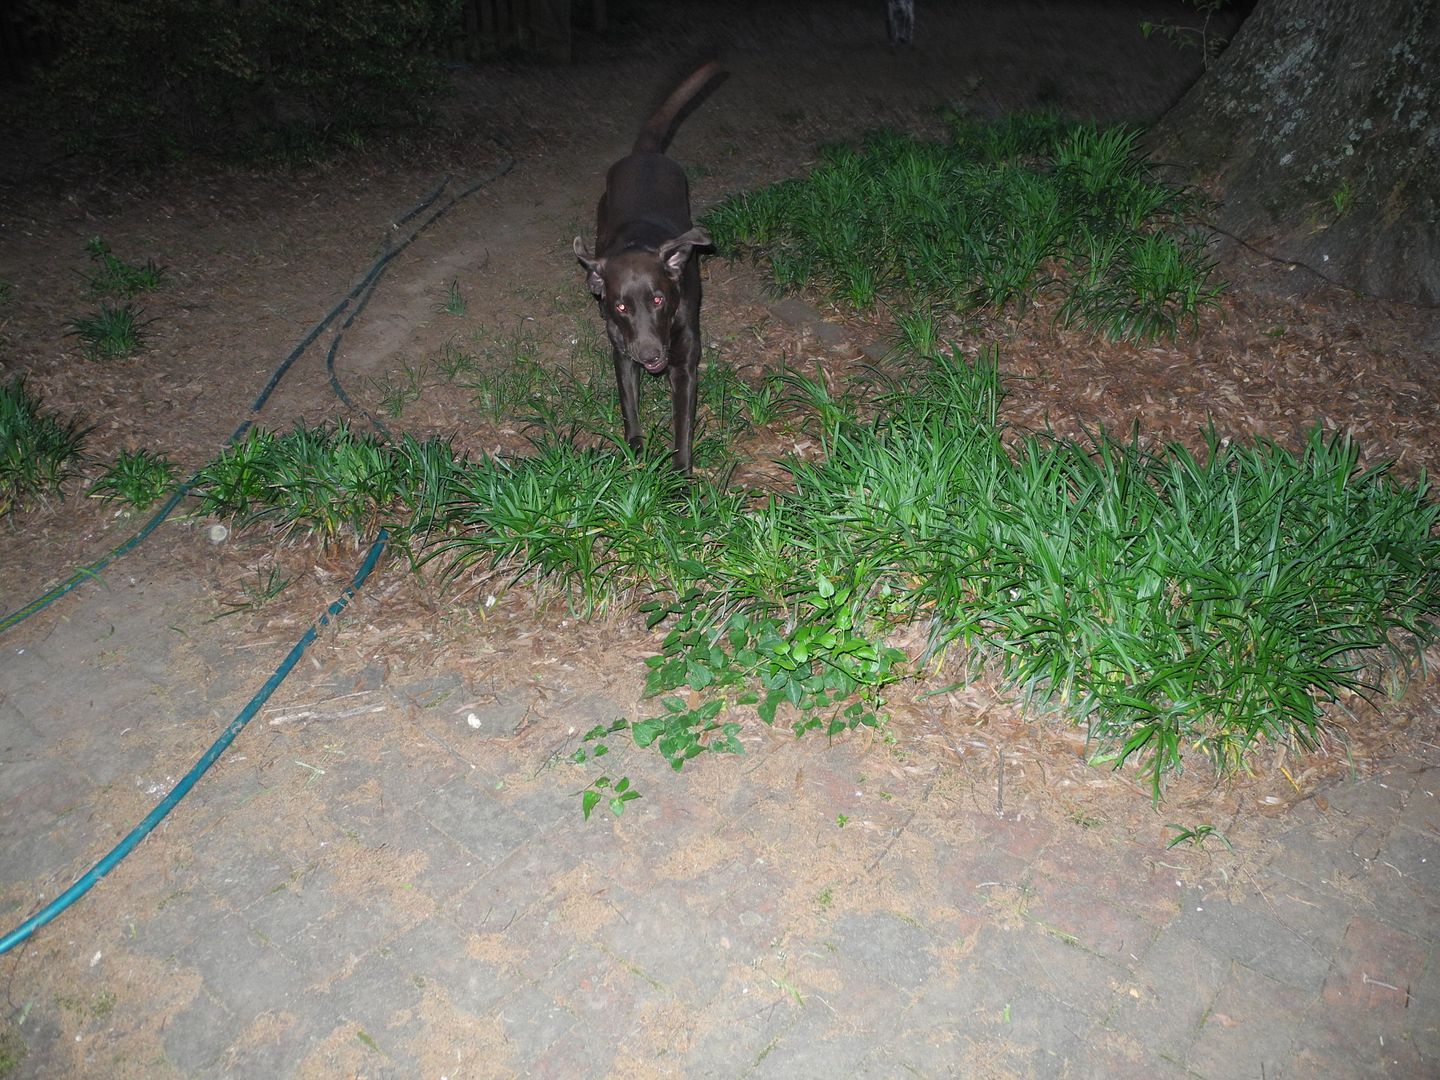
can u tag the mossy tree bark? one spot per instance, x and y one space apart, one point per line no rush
1318 133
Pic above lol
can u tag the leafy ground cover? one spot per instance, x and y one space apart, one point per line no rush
999 214
39 449
1171 602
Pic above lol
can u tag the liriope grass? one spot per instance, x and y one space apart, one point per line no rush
592 527
113 276
1001 214
330 483
1168 601
136 478
112 333
39 449
1174 603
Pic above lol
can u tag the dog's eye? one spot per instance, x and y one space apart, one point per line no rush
620 308
658 300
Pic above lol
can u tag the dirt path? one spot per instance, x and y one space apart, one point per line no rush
387 875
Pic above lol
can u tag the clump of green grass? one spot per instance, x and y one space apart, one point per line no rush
330 483
1001 214
731 407
1170 601
511 377
1167 600
400 389
112 333
453 361
454 302
576 402
735 405
594 528
136 479
39 449
1196 836
113 276
268 584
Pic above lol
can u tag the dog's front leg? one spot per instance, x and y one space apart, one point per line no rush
684 395
627 379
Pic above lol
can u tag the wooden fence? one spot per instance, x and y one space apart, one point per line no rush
546 27
21 47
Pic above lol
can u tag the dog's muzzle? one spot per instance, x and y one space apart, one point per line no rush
653 360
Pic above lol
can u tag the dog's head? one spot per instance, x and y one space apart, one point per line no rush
640 295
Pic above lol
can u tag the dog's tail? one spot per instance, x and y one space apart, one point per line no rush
655 135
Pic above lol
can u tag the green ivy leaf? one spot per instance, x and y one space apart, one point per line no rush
647 731
768 706
617 804
698 676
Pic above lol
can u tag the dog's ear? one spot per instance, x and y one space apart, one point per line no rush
593 280
676 253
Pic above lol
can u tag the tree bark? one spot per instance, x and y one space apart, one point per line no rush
1318 133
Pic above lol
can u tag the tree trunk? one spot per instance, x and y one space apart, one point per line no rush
1318 133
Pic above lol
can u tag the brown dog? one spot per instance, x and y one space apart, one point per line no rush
644 274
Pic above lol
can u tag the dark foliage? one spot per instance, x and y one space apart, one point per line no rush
145 81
